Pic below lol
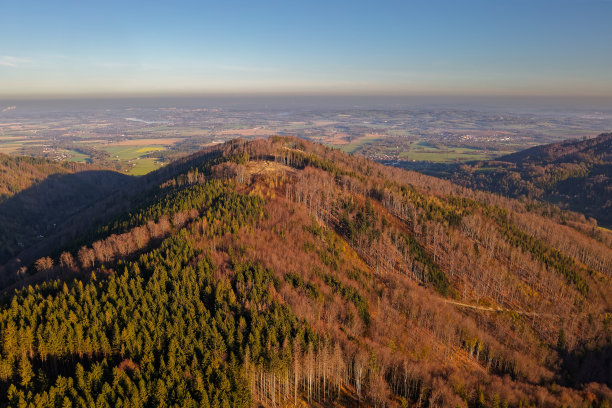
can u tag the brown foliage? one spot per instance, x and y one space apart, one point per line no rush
44 264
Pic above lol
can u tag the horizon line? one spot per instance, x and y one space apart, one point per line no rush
330 94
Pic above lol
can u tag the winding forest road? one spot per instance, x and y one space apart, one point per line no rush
503 309
498 309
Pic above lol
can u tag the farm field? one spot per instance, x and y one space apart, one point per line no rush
130 152
357 144
138 156
75 156
12 144
143 166
446 154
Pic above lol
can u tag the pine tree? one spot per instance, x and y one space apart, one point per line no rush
26 373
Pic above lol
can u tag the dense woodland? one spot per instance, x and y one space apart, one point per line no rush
282 273
576 175
20 172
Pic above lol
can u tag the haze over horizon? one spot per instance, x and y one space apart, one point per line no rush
516 48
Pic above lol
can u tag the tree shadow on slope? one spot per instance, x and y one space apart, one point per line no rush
586 366
51 206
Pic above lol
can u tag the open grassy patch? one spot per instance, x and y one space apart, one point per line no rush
426 151
357 144
123 152
441 156
144 166
74 156
136 158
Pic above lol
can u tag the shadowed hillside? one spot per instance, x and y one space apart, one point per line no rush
38 211
20 172
282 273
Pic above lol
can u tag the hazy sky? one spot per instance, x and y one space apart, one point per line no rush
558 47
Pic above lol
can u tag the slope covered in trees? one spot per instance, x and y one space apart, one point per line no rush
282 273
36 195
576 175
20 172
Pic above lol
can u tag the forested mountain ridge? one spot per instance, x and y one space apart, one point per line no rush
597 149
36 195
279 272
575 174
20 172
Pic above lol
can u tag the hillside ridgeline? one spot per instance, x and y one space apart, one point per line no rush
279 272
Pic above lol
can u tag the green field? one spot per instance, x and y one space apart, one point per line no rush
136 157
75 156
144 166
441 156
130 152
423 151
357 144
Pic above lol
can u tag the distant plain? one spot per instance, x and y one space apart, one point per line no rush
135 137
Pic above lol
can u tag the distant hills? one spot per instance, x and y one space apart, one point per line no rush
280 272
575 175
596 150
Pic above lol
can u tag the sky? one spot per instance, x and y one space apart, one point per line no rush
493 47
